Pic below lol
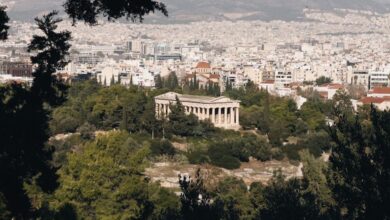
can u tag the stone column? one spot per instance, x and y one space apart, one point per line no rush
213 115
219 115
225 115
157 110
237 116
231 115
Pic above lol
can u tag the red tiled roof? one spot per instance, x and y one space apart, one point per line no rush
190 76
335 86
268 82
380 90
203 65
369 100
324 94
377 100
214 76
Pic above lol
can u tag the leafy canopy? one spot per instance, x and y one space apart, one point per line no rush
89 10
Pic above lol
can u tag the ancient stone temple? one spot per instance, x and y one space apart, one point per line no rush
223 112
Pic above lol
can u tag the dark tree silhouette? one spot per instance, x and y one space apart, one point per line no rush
24 116
195 200
89 10
3 23
360 166
52 50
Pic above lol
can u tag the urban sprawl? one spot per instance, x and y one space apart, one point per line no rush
349 47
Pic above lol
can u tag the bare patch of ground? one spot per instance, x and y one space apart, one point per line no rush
166 173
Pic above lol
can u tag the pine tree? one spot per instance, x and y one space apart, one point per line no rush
195 199
360 166
4 19
89 11
24 118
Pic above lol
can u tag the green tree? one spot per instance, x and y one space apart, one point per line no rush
323 80
171 82
158 82
359 166
89 10
232 199
162 147
311 114
4 213
195 199
65 119
186 125
24 119
105 181
112 81
316 192
257 199
282 199
342 103
3 23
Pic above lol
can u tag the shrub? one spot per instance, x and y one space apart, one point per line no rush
226 161
197 156
277 154
162 147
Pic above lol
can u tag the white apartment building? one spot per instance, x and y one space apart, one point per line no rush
359 77
378 79
283 78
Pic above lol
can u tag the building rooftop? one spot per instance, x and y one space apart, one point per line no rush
203 65
380 90
375 100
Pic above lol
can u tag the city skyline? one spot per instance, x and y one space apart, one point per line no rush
181 11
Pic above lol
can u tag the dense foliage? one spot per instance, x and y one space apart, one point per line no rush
24 116
89 10
105 180
323 80
100 172
3 23
359 166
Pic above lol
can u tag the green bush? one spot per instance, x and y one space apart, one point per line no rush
162 147
277 154
226 161
292 151
197 156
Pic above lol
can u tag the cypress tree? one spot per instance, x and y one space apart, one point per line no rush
112 82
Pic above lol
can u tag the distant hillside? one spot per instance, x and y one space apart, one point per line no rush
195 10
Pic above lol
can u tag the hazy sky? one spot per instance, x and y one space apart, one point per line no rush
200 9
